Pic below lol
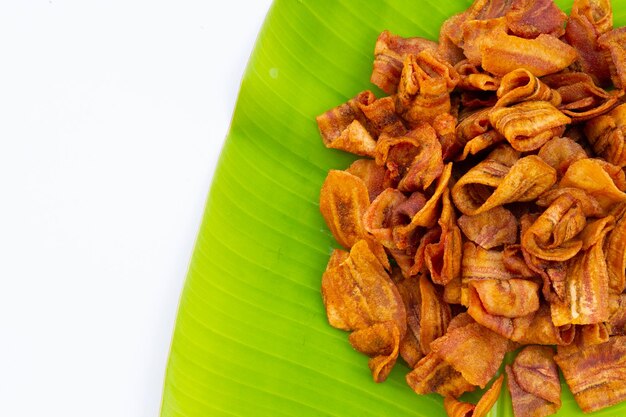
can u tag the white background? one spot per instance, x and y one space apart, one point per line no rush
112 115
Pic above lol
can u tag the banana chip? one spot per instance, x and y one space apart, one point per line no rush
586 287
390 52
588 20
543 55
425 86
615 252
491 228
581 98
375 177
530 124
616 325
531 18
433 374
606 135
596 374
614 42
560 153
360 297
415 159
472 77
500 179
521 85
456 408
553 236
593 177
443 258
533 380
473 350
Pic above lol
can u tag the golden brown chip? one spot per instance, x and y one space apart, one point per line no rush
534 384
381 342
434 314
588 20
429 237
383 214
452 291
433 374
343 201
473 350
479 10
590 176
541 330
592 334
427 216
560 153
551 272
337 257
596 231
606 135
614 42
414 158
445 126
409 290
479 34
531 18
345 127
596 374
500 179
479 264
427 165
460 320
456 408
474 133
528 125
586 289
382 117
553 235
443 258
491 228
615 172
521 85
359 296
536 373
450 38
542 55
375 177
362 271
581 99
511 328
390 52
480 143
425 86
355 126
589 205
472 77
615 251
514 262
617 318
507 298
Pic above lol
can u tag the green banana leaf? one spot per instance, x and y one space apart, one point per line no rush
251 336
